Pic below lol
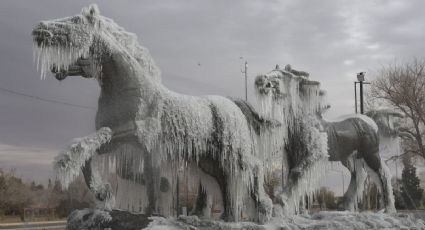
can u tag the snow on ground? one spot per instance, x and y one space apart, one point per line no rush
320 220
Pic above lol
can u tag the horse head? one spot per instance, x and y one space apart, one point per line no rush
295 91
66 46
388 121
81 45
273 84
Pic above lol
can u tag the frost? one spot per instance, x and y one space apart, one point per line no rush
88 219
68 163
50 57
294 100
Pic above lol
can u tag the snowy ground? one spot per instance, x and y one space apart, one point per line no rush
321 220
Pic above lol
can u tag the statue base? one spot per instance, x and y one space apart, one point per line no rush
99 219
94 219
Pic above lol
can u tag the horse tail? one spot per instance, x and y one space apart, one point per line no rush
254 119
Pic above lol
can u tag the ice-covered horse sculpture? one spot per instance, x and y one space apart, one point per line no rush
353 140
145 131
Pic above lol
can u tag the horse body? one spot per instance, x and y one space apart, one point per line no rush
355 142
349 135
154 130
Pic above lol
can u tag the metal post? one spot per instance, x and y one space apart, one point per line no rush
246 81
178 195
361 81
361 97
245 72
355 96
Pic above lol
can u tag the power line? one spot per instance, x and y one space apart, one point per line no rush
46 99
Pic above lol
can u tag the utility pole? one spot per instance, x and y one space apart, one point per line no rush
355 96
361 81
245 71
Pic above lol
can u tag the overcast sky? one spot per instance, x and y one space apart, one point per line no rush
331 39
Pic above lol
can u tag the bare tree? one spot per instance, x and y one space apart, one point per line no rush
403 87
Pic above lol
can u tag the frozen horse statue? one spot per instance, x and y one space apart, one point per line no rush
353 140
147 131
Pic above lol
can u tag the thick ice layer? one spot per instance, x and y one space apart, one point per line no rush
49 57
88 36
299 192
294 101
88 219
69 162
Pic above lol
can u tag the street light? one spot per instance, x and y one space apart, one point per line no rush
360 76
361 81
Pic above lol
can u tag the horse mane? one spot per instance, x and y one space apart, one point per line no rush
129 42
256 121
298 73
288 71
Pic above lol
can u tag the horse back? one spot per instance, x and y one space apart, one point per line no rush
349 135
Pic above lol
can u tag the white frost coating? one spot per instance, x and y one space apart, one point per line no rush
311 169
103 190
93 219
288 99
69 162
48 58
93 37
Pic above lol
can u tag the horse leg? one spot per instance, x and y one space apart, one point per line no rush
263 203
358 177
201 202
151 177
375 163
213 168
102 191
78 157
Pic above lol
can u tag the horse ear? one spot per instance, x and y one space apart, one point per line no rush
91 12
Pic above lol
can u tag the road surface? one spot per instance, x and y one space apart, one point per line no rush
50 225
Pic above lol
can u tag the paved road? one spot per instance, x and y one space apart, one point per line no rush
50 225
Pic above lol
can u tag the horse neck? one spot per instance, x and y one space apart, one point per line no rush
126 89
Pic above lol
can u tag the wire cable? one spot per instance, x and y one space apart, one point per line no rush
46 99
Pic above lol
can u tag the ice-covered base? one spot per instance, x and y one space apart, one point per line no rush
321 220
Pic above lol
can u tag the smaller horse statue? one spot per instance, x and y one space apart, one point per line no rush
353 140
